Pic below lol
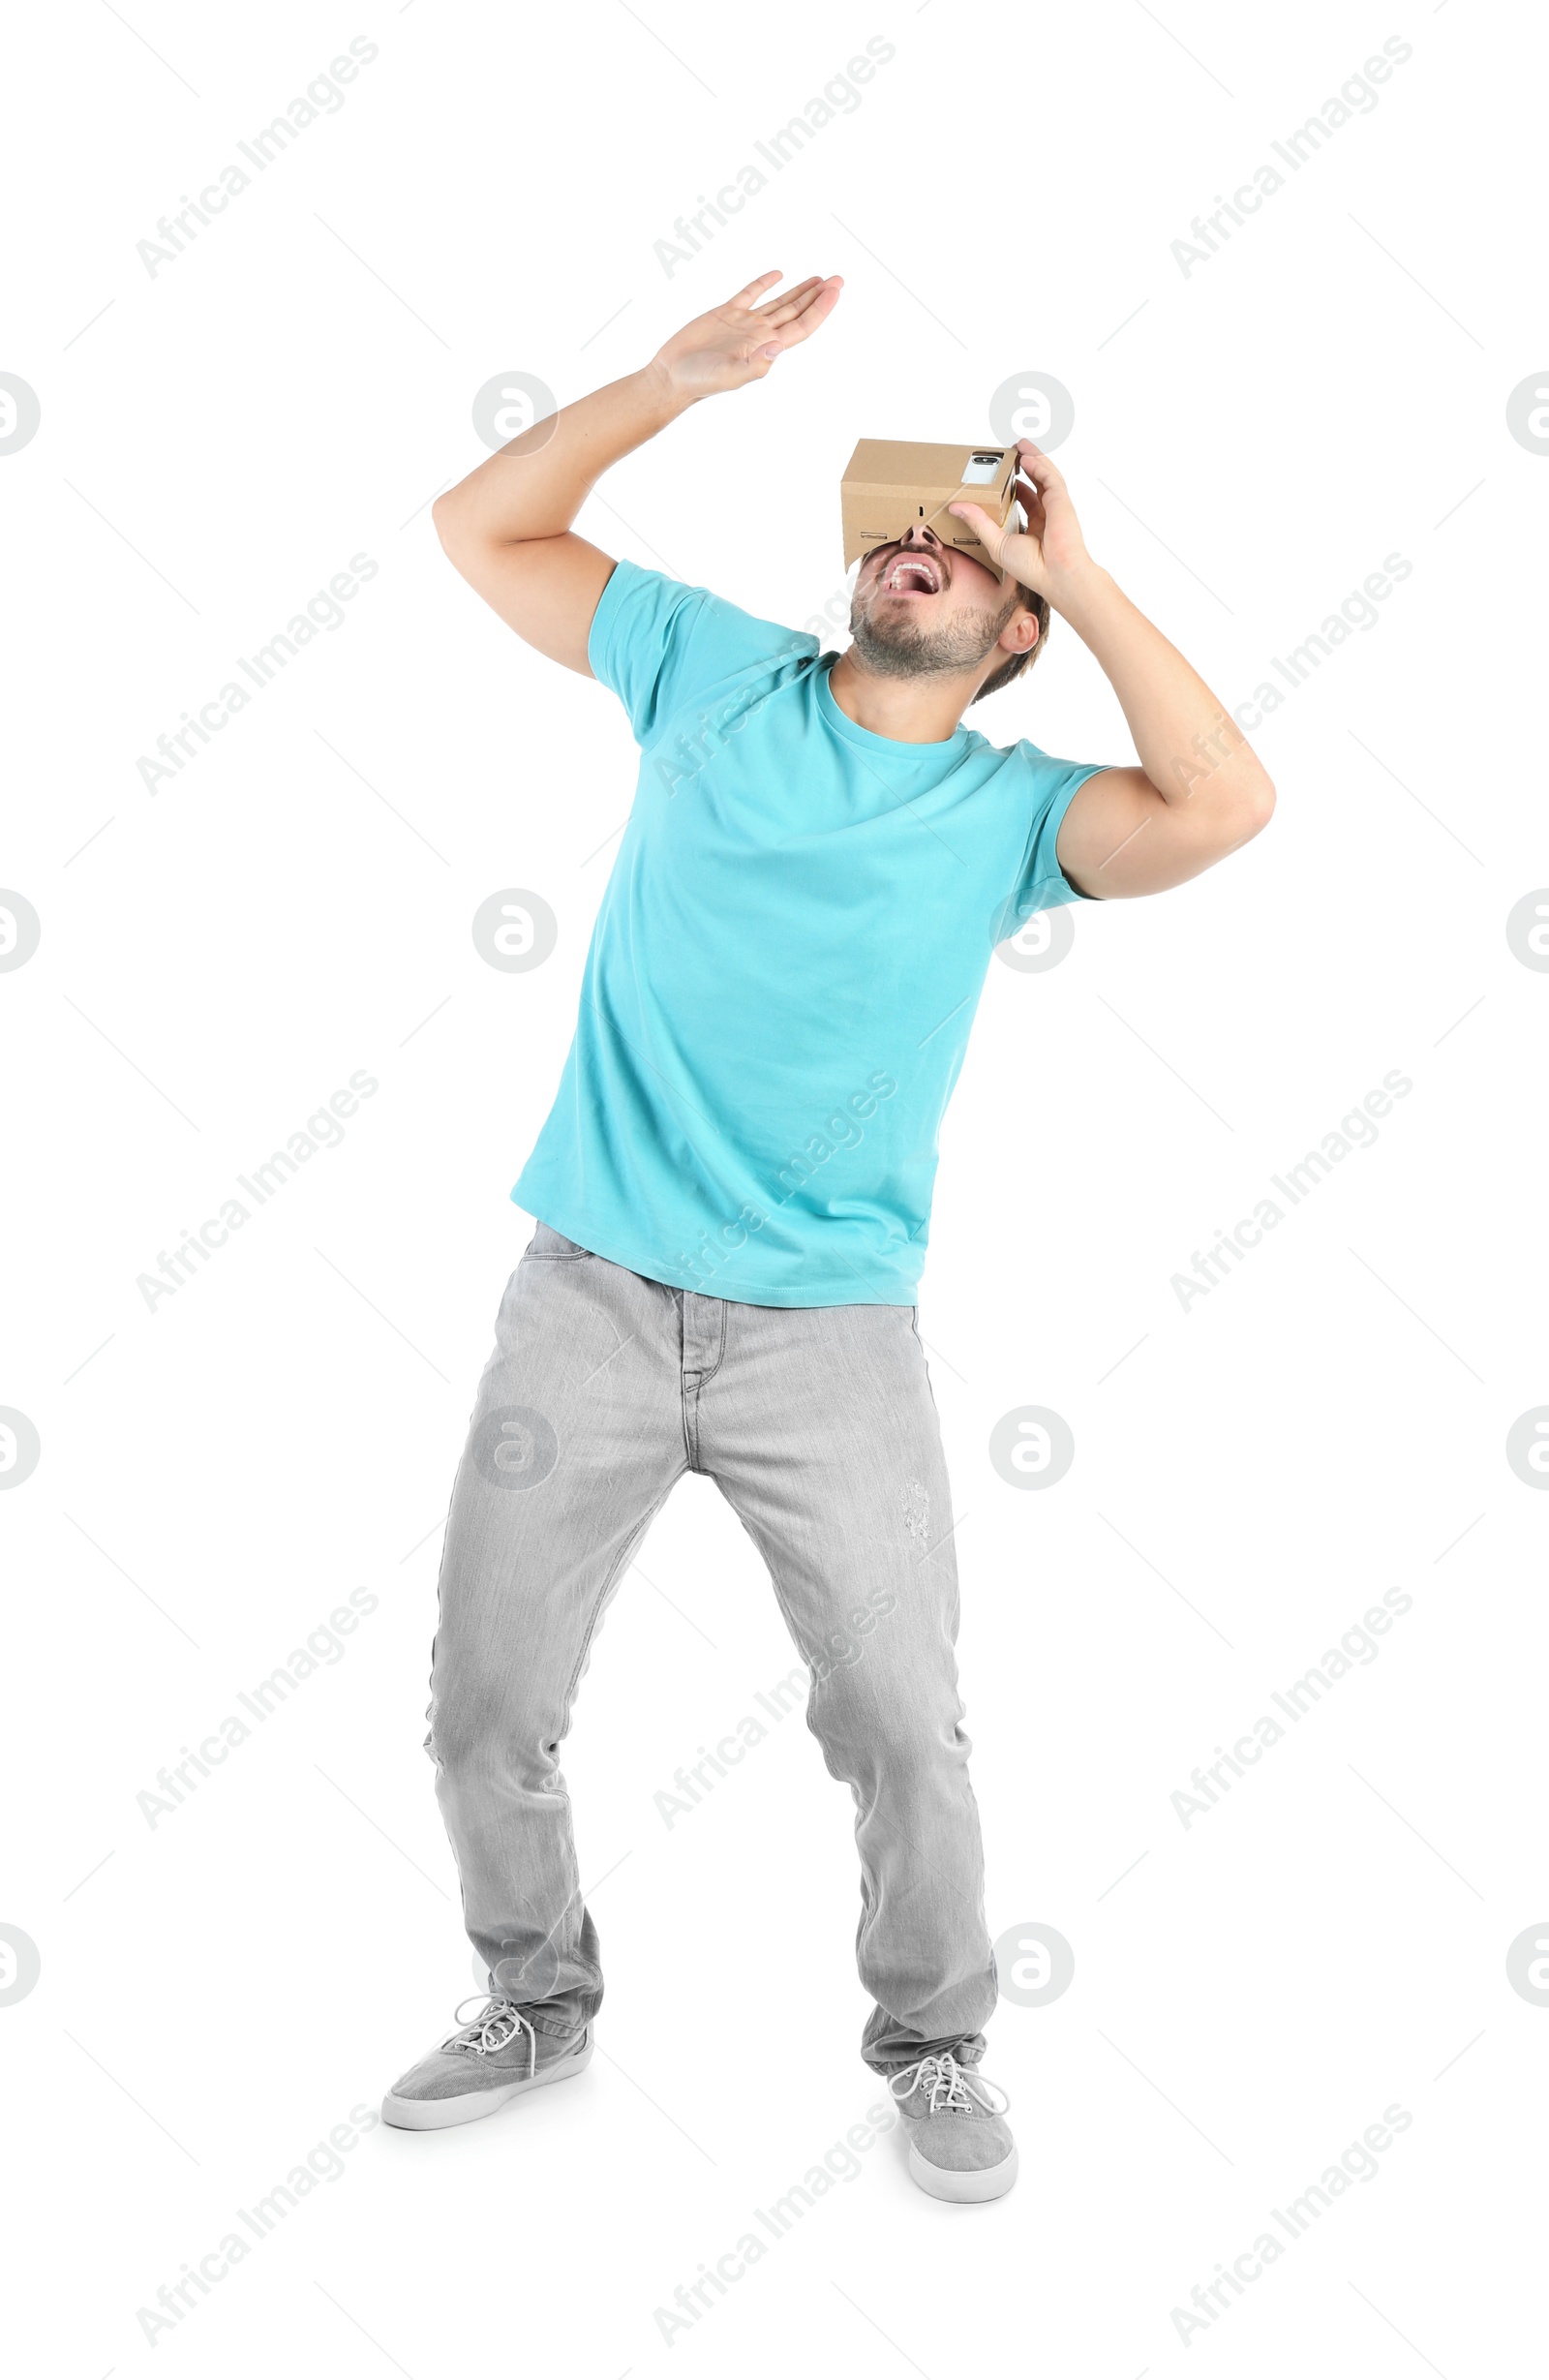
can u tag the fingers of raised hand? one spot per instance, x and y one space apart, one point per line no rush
816 302
790 301
1036 465
991 535
755 289
1031 500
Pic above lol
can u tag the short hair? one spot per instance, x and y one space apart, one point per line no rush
1016 662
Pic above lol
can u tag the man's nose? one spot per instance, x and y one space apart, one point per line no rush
917 533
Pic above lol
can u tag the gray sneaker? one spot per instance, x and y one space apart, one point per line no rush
961 2146
481 2067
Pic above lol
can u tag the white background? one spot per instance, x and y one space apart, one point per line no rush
1251 439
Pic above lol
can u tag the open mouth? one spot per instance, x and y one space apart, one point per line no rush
911 574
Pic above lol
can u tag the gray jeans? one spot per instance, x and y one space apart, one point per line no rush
819 1427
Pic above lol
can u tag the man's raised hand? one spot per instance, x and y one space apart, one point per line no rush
741 341
510 526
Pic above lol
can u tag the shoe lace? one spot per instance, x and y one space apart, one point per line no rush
946 2085
497 2023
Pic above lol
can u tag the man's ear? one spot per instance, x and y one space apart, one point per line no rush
1021 632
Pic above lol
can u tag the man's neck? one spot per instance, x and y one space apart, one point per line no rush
905 709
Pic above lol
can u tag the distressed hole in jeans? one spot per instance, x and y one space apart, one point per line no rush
917 1513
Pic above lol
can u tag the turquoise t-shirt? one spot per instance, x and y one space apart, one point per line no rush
784 967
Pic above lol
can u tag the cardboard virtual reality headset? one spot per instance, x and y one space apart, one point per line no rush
892 485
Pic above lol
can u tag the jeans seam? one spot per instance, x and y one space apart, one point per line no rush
609 1583
765 1554
692 1382
707 1371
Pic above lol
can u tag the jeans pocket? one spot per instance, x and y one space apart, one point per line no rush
914 1324
547 1246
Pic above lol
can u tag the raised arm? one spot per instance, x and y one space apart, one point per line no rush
506 526
1200 790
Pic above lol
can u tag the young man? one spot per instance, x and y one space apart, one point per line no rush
733 1190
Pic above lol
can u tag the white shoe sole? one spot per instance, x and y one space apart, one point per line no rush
964 2188
437 2115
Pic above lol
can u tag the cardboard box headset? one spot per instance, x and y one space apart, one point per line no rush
892 485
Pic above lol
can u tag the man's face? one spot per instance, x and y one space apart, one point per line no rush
921 608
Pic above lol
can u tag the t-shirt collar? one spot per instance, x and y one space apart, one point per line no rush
896 747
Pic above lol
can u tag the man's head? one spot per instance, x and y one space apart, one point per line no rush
921 608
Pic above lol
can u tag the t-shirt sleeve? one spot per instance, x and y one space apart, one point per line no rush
659 645
1042 883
